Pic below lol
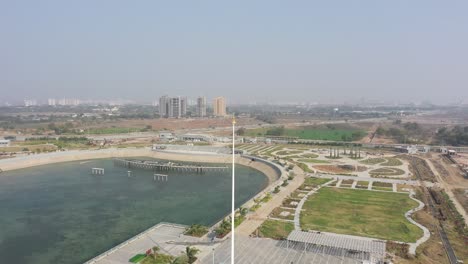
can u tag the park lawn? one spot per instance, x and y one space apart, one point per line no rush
313 161
314 132
362 184
315 181
276 229
137 258
304 167
360 213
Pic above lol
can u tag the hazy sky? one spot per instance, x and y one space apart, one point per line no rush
273 51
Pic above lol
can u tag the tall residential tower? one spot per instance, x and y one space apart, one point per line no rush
201 106
174 107
219 106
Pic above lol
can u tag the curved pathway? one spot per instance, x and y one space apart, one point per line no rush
297 214
427 234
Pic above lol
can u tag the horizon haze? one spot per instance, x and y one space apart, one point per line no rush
264 51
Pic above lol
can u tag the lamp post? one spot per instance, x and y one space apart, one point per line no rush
233 212
213 255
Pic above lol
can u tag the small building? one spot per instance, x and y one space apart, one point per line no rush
423 149
4 142
407 149
166 136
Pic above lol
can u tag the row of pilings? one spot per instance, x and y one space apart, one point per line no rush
167 166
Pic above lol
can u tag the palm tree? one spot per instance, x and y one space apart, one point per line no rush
191 253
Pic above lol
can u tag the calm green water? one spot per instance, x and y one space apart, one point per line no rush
60 213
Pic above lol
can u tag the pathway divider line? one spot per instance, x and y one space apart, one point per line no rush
427 234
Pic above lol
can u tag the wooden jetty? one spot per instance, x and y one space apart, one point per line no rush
165 166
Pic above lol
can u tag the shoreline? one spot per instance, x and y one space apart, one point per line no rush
81 155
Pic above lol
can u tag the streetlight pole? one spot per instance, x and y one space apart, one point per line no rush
233 212
213 255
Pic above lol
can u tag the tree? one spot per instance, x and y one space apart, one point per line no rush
243 211
380 131
191 253
277 189
241 131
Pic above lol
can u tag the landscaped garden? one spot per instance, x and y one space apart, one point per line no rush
361 213
373 161
385 171
275 229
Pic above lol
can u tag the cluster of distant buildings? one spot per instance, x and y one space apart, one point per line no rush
176 107
54 102
169 107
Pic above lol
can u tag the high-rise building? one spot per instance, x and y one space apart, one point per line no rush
29 102
219 106
68 101
164 106
183 106
175 107
201 106
51 102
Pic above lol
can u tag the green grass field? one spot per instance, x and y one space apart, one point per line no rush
314 132
361 213
276 229
304 167
315 181
137 258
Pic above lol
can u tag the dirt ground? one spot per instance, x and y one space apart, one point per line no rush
332 169
451 174
175 124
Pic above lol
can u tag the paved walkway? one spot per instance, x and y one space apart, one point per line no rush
427 234
255 219
158 235
357 178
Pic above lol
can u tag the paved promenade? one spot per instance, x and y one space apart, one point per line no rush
158 235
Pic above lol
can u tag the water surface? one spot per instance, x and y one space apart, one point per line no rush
60 213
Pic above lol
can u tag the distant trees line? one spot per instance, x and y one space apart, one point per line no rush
456 136
409 132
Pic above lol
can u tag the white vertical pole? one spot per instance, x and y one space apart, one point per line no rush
233 190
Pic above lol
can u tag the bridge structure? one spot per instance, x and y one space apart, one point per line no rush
165 166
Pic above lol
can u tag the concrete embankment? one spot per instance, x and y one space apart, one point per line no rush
77 155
